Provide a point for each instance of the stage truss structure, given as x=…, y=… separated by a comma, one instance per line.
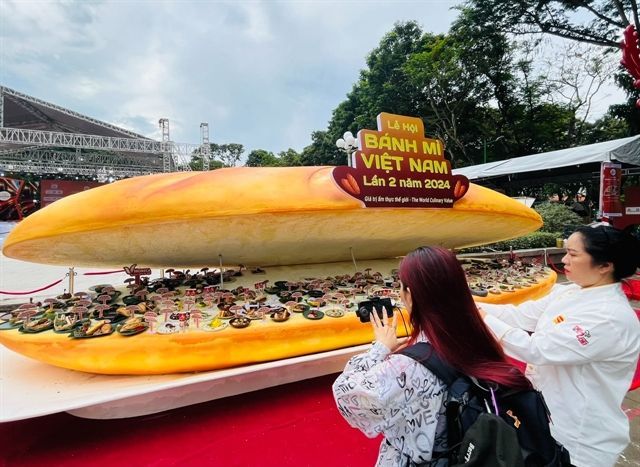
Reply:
x=42, y=138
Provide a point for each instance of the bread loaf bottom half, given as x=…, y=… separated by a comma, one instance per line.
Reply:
x=200, y=350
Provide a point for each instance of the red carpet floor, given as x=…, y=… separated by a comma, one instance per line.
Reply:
x=291, y=425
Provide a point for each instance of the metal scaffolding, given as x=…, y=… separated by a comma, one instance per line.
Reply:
x=72, y=150
x=1, y=106
x=72, y=140
x=206, y=148
x=166, y=155
x=174, y=155
x=95, y=164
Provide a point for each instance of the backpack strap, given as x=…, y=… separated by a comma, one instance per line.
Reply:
x=425, y=354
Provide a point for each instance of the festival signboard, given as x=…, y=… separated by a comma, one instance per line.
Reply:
x=397, y=166
x=610, y=184
x=53, y=190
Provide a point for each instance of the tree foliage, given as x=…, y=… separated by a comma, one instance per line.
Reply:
x=473, y=87
x=220, y=155
x=289, y=158
x=323, y=150
x=556, y=216
x=229, y=154
x=262, y=158
x=597, y=22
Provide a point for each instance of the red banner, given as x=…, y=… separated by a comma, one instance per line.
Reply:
x=53, y=190
x=610, y=184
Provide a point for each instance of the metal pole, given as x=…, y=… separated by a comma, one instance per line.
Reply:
x=353, y=258
x=1, y=106
x=71, y=277
x=221, y=274
x=484, y=145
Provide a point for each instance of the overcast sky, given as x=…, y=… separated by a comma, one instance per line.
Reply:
x=262, y=73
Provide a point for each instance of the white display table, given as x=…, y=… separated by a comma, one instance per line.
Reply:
x=29, y=388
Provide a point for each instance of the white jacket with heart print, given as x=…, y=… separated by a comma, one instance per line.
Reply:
x=393, y=395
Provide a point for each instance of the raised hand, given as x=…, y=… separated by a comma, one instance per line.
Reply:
x=385, y=332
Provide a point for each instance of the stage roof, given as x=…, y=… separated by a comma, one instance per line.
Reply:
x=36, y=138
x=30, y=113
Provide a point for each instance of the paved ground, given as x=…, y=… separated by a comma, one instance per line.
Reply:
x=631, y=405
x=631, y=455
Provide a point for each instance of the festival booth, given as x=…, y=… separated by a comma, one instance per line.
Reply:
x=579, y=159
x=264, y=275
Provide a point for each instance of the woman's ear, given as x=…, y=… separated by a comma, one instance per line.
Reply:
x=606, y=268
x=408, y=298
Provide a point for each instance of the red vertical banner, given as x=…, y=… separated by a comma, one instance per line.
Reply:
x=610, y=186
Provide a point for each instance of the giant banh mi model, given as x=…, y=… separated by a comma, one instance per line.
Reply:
x=291, y=252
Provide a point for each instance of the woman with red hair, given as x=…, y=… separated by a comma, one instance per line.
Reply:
x=384, y=392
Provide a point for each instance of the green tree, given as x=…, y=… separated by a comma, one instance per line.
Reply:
x=474, y=88
x=608, y=127
x=196, y=161
x=289, y=158
x=627, y=111
x=597, y=22
x=454, y=92
x=322, y=150
x=229, y=154
x=484, y=96
x=262, y=158
x=383, y=86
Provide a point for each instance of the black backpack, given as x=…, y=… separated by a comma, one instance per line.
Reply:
x=518, y=436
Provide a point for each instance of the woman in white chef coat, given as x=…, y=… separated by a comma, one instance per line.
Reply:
x=581, y=344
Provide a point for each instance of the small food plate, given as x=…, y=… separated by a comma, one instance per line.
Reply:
x=299, y=308
x=10, y=325
x=334, y=313
x=240, y=322
x=280, y=315
x=81, y=332
x=139, y=328
x=313, y=314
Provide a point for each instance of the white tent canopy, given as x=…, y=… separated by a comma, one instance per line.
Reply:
x=625, y=150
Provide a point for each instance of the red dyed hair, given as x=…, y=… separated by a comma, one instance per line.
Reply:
x=443, y=309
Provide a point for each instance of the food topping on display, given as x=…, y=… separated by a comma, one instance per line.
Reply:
x=204, y=301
